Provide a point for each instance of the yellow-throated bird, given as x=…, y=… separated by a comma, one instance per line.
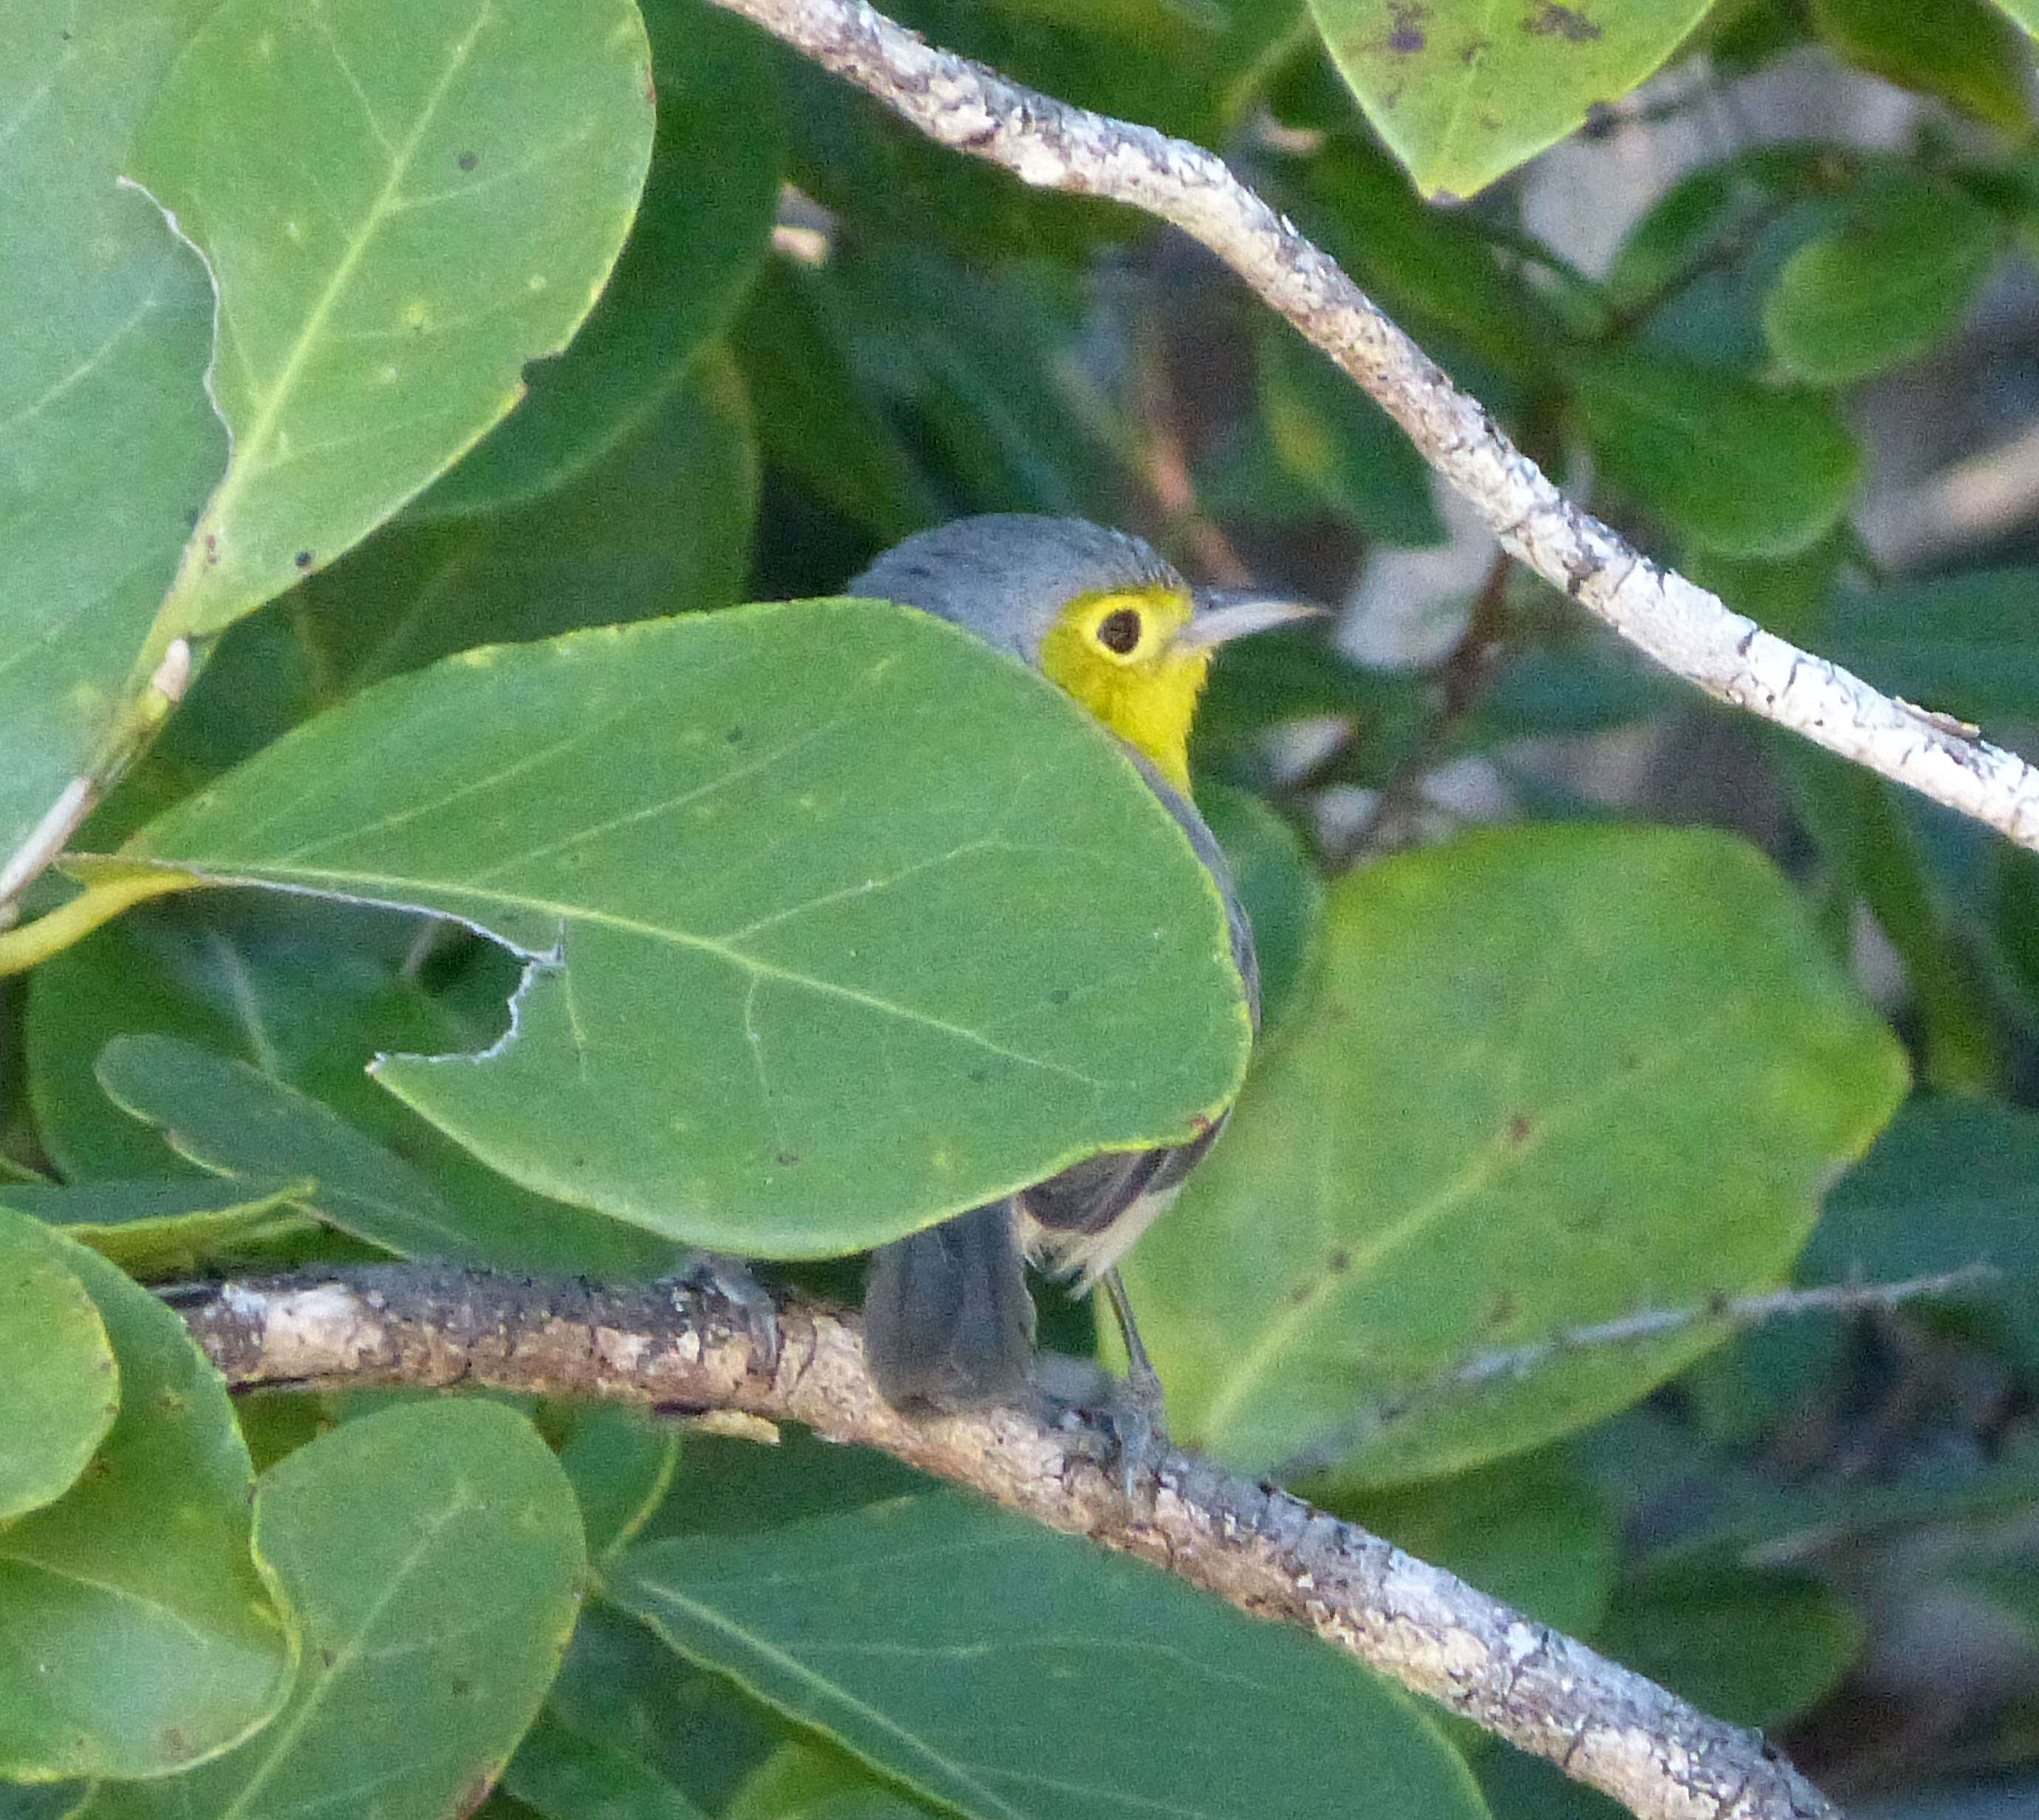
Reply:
x=948, y=1317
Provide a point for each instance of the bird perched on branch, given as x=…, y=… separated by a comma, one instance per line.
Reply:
x=949, y=1320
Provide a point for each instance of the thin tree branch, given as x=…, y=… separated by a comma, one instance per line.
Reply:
x=1052, y=145
x=1269, y=1553
x=1515, y=1362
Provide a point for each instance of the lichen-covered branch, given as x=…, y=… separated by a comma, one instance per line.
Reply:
x=1048, y=143
x=1267, y=1553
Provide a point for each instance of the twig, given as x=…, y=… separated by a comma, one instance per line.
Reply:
x=1267, y=1553
x=1644, y=1324
x=1048, y=143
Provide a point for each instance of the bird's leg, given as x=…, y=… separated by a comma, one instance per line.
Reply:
x=724, y=1274
x=1139, y=1417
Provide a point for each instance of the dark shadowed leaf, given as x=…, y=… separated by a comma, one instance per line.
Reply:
x=1691, y=1628
x=1743, y=469
x=167, y=1225
x=1960, y=50
x=1951, y=1184
x=1890, y=281
x=1965, y=644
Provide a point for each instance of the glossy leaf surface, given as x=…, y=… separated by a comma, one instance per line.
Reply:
x=838, y=921
x=432, y=1555
x=59, y=1388
x=1465, y=90
x=135, y=1638
x=1552, y=1076
x=941, y=1641
x=111, y=445
x=401, y=202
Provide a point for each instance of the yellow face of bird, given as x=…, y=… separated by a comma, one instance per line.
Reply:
x=1117, y=653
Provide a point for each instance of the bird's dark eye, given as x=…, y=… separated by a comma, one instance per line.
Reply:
x=1120, y=631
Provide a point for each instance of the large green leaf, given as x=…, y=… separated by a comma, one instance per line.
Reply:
x=838, y=922
x=59, y=1387
x=941, y=1641
x=1889, y=283
x=111, y=446
x=401, y=202
x=1553, y=1076
x=432, y=1555
x=135, y=1638
x=703, y=225
x=1740, y=467
x=1465, y=90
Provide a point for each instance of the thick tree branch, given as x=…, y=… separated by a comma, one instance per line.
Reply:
x=1267, y=1553
x=1046, y=142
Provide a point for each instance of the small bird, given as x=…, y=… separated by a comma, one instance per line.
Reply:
x=948, y=1321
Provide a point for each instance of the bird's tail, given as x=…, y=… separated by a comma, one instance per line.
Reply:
x=947, y=1320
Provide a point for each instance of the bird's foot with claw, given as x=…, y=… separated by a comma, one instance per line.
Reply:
x=729, y=1278
x=1119, y=1422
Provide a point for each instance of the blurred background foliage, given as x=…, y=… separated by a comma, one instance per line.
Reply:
x=1594, y=1010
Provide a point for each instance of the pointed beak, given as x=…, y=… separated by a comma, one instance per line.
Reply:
x=1224, y=614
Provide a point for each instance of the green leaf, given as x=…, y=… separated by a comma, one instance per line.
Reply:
x=59, y=1387
x=803, y=1781
x=163, y=1227
x=563, y=1775
x=1890, y=282
x=1743, y=468
x=624, y=1695
x=659, y=522
x=234, y=1119
x=1340, y=448
x=895, y=1630
x=818, y=417
x=1553, y=1076
x=1952, y=1183
x=136, y=1638
x=1959, y=50
x=1429, y=267
x=432, y=1555
x=702, y=227
x=838, y=921
x=1692, y=1629
x=105, y=317
x=1966, y=644
x=1465, y=90
x=401, y=203
x=1283, y=895
x=621, y=1462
